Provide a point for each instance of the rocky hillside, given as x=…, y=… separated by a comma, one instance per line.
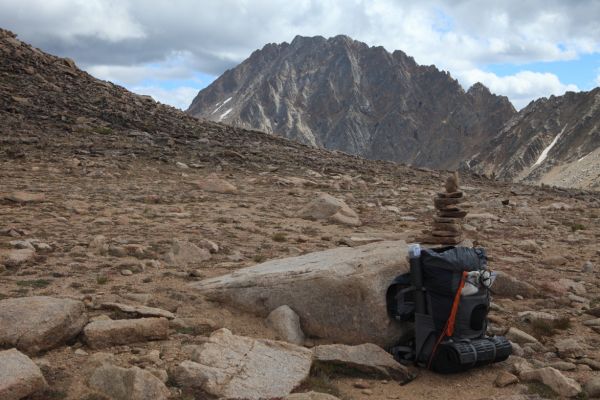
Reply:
x=121, y=219
x=341, y=94
x=555, y=141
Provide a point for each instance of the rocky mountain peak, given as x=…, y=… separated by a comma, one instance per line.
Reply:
x=341, y=94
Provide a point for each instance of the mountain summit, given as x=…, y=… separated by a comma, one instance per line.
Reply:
x=341, y=94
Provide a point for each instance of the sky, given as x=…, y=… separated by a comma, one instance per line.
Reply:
x=523, y=49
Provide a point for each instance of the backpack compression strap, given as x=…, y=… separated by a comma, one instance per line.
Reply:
x=450, y=323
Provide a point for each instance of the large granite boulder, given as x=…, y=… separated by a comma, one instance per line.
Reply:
x=339, y=294
x=238, y=367
x=34, y=324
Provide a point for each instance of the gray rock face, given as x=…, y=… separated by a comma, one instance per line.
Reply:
x=553, y=140
x=340, y=94
x=127, y=383
x=34, y=324
x=237, y=367
x=19, y=376
x=339, y=294
x=366, y=358
x=109, y=333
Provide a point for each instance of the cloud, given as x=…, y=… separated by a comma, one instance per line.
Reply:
x=520, y=87
x=180, y=97
x=124, y=39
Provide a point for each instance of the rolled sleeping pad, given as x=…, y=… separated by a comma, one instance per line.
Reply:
x=458, y=356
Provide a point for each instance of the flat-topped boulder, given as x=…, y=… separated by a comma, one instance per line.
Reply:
x=339, y=294
x=34, y=324
x=104, y=333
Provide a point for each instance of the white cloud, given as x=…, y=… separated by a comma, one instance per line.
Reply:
x=109, y=20
x=118, y=39
x=180, y=97
x=521, y=87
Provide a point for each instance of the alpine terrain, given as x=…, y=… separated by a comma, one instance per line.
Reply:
x=555, y=141
x=149, y=255
x=341, y=94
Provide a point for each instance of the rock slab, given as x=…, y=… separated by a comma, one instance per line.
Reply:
x=327, y=207
x=237, y=367
x=34, y=324
x=365, y=358
x=554, y=379
x=127, y=383
x=104, y=333
x=339, y=294
x=19, y=376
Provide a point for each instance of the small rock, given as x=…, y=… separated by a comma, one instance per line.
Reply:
x=287, y=324
x=570, y=348
x=592, y=322
x=127, y=383
x=535, y=316
x=230, y=366
x=327, y=207
x=138, y=311
x=209, y=245
x=509, y=286
x=126, y=272
x=587, y=267
x=19, y=376
x=554, y=261
x=366, y=358
x=505, y=378
x=16, y=258
x=213, y=183
x=310, y=396
x=517, y=335
x=99, y=245
x=109, y=333
x=25, y=197
x=361, y=384
x=530, y=246
x=563, y=366
x=554, y=379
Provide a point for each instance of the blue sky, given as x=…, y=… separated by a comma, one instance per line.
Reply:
x=171, y=50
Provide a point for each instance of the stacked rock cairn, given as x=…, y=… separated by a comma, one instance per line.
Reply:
x=447, y=223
